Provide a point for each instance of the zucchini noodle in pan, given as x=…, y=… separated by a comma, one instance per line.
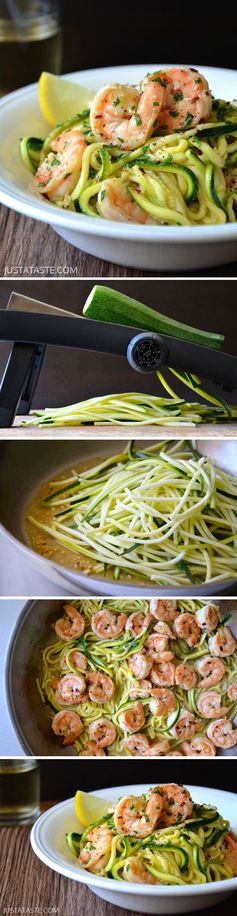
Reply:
x=160, y=837
x=139, y=678
x=163, y=152
x=164, y=515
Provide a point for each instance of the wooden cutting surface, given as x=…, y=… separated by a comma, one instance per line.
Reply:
x=33, y=249
x=203, y=431
x=28, y=886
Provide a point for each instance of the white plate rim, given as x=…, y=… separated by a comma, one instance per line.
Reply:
x=118, y=886
x=45, y=212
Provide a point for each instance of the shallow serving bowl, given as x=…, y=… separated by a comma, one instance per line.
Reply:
x=146, y=247
x=30, y=717
x=24, y=466
x=49, y=843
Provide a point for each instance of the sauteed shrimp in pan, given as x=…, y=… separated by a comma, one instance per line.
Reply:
x=142, y=678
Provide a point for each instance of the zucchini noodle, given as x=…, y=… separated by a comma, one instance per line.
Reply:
x=124, y=409
x=199, y=850
x=112, y=657
x=186, y=178
x=165, y=515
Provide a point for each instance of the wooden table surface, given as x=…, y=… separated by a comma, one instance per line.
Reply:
x=33, y=249
x=202, y=431
x=29, y=886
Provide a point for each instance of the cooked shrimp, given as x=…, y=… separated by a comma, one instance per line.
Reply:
x=140, y=665
x=136, y=745
x=135, y=871
x=212, y=671
x=68, y=725
x=92, y=749
x=122, y=115
x=163, y=629
x=163, y=703
x=158, y=648
x=164, y=609
x=115, y=202
x=209, y=705
x=232, y=691
x=230, y=847
x=96, y=852
x=102, y=687
x=102, y=732
x=162, y=674
x=177, y=804
x=198, y=747
x=186, y=725
x=185, y=676
x=223, y=643
x=58, y=174
x=69, y=689
x=106, y=625
x=158, y=748
x=138, y=623
x=77, y=660
x=143, y=689
x=71, y=626
x=187, y=99
x=207, y=617
x=222, y=734
x=136, y=816
x=131, y=720
x=186, y=627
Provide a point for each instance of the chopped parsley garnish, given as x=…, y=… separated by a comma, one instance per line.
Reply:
x=188, y=119
x=198, y=81
x=116, y=102
x=178, y=96
x=157, y=79
x=138, y=120
x=174, y=114
x=102, y=194
x=55, y=162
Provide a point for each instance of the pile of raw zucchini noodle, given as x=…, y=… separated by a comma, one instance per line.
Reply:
x=192, y=852
x=164, y=515
x=130, y=408
x=187, y=178
x=111, y=656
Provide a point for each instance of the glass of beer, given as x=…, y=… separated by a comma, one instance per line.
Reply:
x=19, y=791
x=30, y=41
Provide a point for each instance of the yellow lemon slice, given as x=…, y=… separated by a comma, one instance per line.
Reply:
x=90, y=808
x=60, y=99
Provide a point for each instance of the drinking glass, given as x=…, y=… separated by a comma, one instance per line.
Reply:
x=30, y=41
x=19, y=791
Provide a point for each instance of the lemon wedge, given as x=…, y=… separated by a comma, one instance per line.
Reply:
x=90, y=808
x=60, y=99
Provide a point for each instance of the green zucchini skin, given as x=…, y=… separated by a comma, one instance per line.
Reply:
x=105, y=304
x=211, y=189
x=74, y=842
x=219, y=130
x=183, y=170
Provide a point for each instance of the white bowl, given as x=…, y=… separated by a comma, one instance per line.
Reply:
x=163, y=248
x=49, y=843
